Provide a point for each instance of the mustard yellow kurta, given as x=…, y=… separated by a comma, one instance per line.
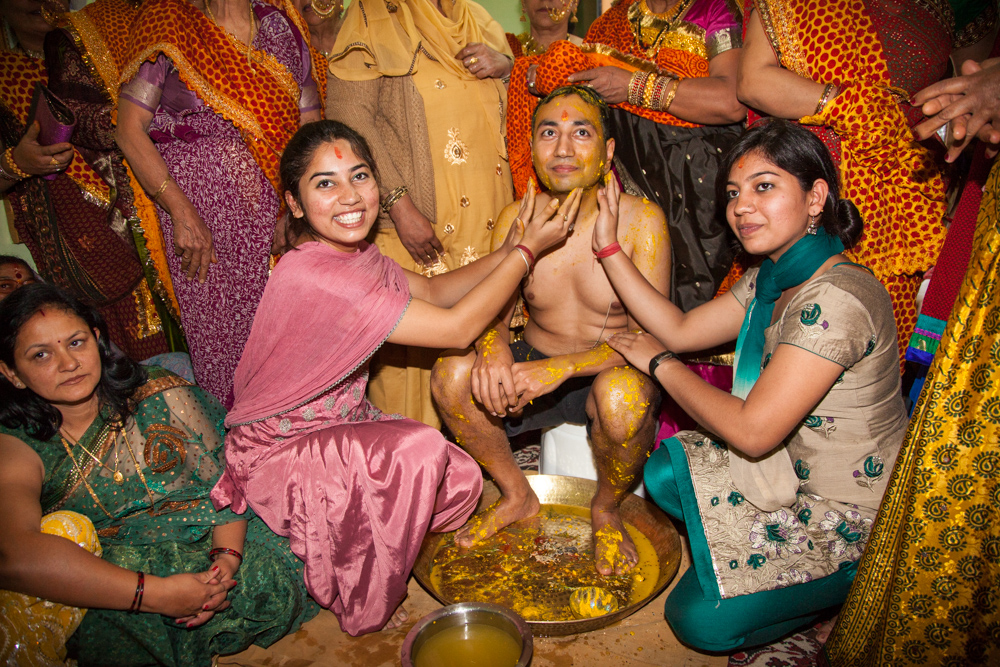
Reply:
x=472, y=184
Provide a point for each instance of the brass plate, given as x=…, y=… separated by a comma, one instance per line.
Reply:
x=574, y=491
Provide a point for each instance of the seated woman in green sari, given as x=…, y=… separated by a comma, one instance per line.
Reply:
x=135, y=451
x=780, y=487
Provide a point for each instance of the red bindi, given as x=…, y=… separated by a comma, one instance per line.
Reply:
x=17, y=275
x=565, y=115
x=336, y=151
x=740, y=163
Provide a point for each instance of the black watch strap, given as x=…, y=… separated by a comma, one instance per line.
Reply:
x=659, y=359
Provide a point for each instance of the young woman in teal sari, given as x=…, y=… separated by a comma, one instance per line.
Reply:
x=85, y=429
x=780, y=487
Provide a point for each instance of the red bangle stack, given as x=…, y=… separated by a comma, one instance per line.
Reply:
x=140, y=586
x=218, y=551
x=607, y=251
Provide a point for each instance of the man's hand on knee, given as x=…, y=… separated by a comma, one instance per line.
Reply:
x=492, y=382
x=537, y=378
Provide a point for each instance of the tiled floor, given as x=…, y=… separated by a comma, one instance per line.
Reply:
x=642, y=639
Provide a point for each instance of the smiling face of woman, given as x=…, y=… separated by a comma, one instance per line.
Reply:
x=56, y=356
x=766, y=206
x=338, y=196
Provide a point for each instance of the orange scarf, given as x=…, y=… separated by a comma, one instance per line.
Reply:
x=263, y=104
x=609, y=42
x=19, y=74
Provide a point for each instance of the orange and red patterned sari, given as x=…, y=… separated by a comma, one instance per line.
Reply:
x=75, y=225
x=895, y=182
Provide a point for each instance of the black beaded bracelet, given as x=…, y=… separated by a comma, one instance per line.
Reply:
x=655, y=362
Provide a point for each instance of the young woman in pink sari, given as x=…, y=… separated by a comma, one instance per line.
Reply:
x=356, y=490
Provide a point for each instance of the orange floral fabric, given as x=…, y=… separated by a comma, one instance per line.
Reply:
x=19, y=74
x=262, y=103
x=894, y=181
x=609, y=42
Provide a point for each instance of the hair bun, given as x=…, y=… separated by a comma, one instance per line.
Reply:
x=849, y=222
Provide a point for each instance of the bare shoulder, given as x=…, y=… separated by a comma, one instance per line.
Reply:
x=18, y=458
x=640, y=212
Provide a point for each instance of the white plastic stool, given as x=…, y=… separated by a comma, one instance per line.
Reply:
x=566, y=451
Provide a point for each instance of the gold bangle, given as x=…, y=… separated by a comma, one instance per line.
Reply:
x=393, y=197
x=160, y=190
x=636, y=86
x=647, y=91
x=824, y=99
x=9, y=155
x=670, y=96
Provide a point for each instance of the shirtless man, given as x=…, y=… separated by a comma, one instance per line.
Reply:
x=563, y=370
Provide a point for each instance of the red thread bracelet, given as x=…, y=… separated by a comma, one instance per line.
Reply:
x=140, y=586
x=607, y=251
x=215, y=553
x=531, y=255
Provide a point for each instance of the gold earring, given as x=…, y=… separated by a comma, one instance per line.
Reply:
x=813, y=227
x=573, y=18
x=18, y=383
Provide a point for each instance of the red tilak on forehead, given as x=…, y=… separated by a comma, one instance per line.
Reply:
x=42, y=311
x=740, y=163
x=336, y=151
x=565, y=115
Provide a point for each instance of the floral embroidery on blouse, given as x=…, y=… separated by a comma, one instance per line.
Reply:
x=870, y=473
x=810, y=321
x=822, y=425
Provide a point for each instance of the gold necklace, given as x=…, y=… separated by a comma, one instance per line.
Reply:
x=233, y=38
x=529, y=45
x=116, y=474
x=649, y=28
x=138, y=469
x=83, y=478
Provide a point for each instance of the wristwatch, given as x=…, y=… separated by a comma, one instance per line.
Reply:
x=655, y=362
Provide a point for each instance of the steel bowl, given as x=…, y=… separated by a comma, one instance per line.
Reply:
x=462, y=614
x=577, y=492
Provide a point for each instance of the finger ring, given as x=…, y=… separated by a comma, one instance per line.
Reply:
x=565, y=217
x=473, y=60
x=531, y=84
x=55, y=161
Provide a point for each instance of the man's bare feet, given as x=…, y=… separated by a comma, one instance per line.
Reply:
x=398, y=617
x=614, y=551
x=503, y=512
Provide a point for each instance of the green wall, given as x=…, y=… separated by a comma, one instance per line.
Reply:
x=507, y=12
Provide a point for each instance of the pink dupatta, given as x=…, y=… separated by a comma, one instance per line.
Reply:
x=323, y=314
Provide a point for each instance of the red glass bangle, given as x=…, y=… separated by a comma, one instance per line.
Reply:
x=140, y=586
x=215, y=553
x=531, y=255
x=607, y=251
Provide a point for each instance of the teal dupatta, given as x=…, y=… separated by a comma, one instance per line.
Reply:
x=770, y=482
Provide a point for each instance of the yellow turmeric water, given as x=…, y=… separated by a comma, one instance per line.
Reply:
x=470, y=645
x=534, y=566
